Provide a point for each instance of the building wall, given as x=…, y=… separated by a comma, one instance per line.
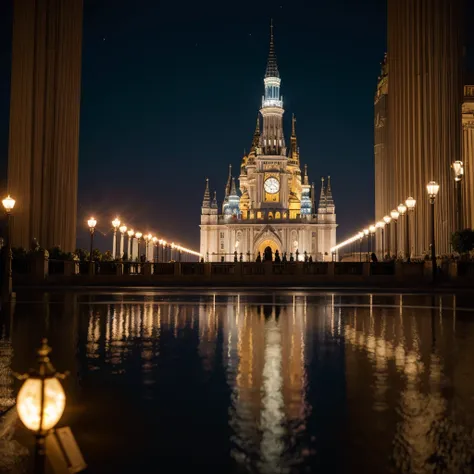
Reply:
x=425, y=73
x=44, y=121
x=468, y=155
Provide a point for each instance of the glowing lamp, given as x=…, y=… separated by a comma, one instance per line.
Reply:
x=41, y=399
x=432, y=187
x=387, y=219
x=131, y=233
x=138, y=235
x=154, y=239
x=411, y=203
x=92, y=223
x=402, y=209
x=372, y=229
x=123, y=229
x=8, y=203
x=366, y=231
x=394, y=215
x=360, y=235
x=458, y=168
x=116, y=223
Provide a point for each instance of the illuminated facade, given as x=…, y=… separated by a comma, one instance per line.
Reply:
x=417, y=118
x=274, y=205
x=468, y=153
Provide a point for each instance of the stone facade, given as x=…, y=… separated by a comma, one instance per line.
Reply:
x=273, y=208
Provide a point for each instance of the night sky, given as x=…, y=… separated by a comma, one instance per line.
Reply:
x=171, y=90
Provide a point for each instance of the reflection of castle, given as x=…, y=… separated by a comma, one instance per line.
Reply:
x=276, y=206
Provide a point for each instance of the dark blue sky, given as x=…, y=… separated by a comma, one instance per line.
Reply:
x=170, y=92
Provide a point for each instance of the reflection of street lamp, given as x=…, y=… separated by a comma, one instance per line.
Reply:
x=458, y=170
x=387, y=220
x=40, y=403
x=394, y=215
x=91, y=223
x=116, y=224
x=8, y=205
x=402, y=209
x=410, y=203
x=130, y=233
x=123, y=229
x=432, y=187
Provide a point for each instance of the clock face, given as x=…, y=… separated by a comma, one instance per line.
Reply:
x=271, y=185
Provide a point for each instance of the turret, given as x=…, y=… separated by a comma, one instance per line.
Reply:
x=294, y=151
x=306, y=209
x=206, y=201
x=322, y=199
x=330, y=207
x=233, y=208
x=208, y=208
x=227, y=190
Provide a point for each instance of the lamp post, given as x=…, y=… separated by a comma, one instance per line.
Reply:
x=116, y=225
x=123, y=229
x=381, y=225
x=394, y=215
x=387, y=220
x=8, y=205
x=402, y=209
x=149, y=244
x=138, y=236
x=163, y=250
x=41, y=401
x=366, y=233
x=410, y=203
x=145, y=238
x=155, y=244
x=432, y=187
x=130, y=233
x=91, y=223
x=361, y=237
x=372, y=230
x=458, y=169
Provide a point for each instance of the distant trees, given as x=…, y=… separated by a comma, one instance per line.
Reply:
x=462, y=241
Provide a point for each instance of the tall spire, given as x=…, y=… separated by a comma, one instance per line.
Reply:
x=312, y=196
x=206, y=201
x=214, y=201
x=293, y=128
x=293, y=140
x=322, y=199
x=272, y=68
x=305, y=179
x=233, y=190
x=329, y=199
x=229, y=182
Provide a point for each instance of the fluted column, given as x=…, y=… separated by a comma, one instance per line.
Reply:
x=425, y=61
x=468, y=155
x=44, y=120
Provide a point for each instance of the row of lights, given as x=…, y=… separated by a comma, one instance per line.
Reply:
x=148, y=238
x=432, y=188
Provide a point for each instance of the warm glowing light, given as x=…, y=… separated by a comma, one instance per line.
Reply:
x=411, y=203
x=149, y=236
x=432, y=187
x=8, y=203
x=146, y=237
x=380, y=224
x=131, y=233
x=91, y=223
x=394, y=214
x=123, y=229
x=360, y=235
x=458, y=168
x=372, y=229
x=154, y=239
x=161, y=241
x=366, y=231
x=402, y=209
x=138, y=235
x=173, y=245
x=387, y=219
x=116, y=223
x=29, y=403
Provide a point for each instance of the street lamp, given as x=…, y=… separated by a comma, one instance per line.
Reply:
x=148, y=243
x=366, y=233
x=381, y=225
x=138, y=236
x=394, y=214
x=123, y=229
x=165, y=256
x=410, y=203
x=8, y=205
x=41, y=401
x=402, y=209
x=116, y=225
x=361, y=237
x=155, y=240
x=432, y=187
x=387, y=220
x=130, y=233
x=372, y=230
x=91, y=223
x=458, y=170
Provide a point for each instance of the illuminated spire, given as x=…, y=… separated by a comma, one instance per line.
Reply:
x=256, y=135
x=312, y=195
x=293, y=141
x=272, y=68
x=322, y=199
x=293, y=128
x=329, y=199
x=229, y=182
x=206, y=202
x=305, y=178
x=233, y=190
x=214, y=201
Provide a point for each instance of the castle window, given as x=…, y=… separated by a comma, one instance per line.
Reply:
x=277, y=215
x=222, y=235
x=222, y=245
x=259, y=215
x=270, y=215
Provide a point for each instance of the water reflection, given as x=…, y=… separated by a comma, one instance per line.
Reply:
x=278, y=384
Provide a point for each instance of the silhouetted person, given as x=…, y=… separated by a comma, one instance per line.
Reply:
x=373, y=257
x=259, y=258
x=297, y=255
x=306, y=256
x=310, y=259
x=284, y=260
x=267, y=256
x=277, y=257
x=202, y=259
x=222, y=259
x=235, y=256
x=241, y=258
x=292, y=259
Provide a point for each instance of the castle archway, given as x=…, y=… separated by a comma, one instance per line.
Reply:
x=267, y=246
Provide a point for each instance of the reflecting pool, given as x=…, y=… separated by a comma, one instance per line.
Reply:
x=281, y=382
